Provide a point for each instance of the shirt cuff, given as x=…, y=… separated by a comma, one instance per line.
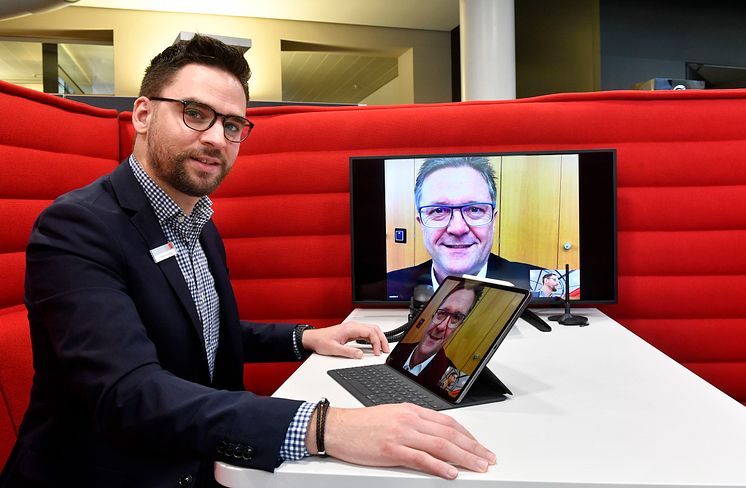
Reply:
x=294, y=446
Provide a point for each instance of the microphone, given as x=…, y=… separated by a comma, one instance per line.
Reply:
x=568, y=318
x=420, y=296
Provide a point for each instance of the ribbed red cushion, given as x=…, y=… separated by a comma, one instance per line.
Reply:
x=48, y=146
x=292, y=257
x=7, y=432
x=16, y=370
x=12, y=269
x=20, y=215
x=682, y=253
x=682, y=189
x=284, y=210
x=283, y=215
x=265, y=378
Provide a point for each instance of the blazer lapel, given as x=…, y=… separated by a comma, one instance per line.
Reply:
x=132, y=198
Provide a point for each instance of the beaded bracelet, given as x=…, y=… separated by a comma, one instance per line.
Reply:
x=300, y=351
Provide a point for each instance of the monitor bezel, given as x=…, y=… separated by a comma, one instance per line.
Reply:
x=535, y=301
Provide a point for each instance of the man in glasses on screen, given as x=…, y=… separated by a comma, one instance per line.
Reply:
x=427, y=358
x=455, y=199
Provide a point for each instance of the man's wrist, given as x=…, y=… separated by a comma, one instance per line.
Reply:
x=300, y=351
x=316, y=430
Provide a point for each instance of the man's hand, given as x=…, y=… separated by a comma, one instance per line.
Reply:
x=330, y=341
x=400, y=435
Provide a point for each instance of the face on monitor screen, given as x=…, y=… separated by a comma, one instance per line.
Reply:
x=520, y=218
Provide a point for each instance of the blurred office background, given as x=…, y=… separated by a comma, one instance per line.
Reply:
x=377, y=51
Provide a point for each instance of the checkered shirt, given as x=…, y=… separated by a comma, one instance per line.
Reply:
x=183, y=231
x=294, y=447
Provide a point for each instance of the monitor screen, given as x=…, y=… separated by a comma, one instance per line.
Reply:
x=522, y=218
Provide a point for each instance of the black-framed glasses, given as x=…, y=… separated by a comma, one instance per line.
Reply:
x=457, y=318
x=200, y=117
x=439, y=216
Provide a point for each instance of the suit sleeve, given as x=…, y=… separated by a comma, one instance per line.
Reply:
x=86, y=324
x=267, y=342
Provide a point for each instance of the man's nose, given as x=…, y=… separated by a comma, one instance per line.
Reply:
x=457, y=225
x=444, y=324
x=214, y=136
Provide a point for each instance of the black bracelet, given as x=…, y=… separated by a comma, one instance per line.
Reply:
x=321, y=409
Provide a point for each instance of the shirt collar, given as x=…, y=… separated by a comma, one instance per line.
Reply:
x=417, y=369
x=482, y=274
x=166, y=209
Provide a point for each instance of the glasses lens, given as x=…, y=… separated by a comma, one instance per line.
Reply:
x=435, y=216
x=198, y=116
x=236, y=129
x=456, y=318
x=477, y=214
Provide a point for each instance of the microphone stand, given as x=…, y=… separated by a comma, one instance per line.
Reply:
x=568, y=318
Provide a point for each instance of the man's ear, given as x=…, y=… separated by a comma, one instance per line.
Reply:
x=142, y=113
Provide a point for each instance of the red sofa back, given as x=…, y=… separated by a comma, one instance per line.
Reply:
x=681, y=193
x=682, y=187
x=48, y=146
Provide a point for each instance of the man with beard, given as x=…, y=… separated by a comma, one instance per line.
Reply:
x=549, y=284
x=138, y=348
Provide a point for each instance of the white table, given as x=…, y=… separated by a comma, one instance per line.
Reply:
x=592, y=407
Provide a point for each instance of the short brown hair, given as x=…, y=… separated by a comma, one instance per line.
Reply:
x=480, y=164
x=200, y=49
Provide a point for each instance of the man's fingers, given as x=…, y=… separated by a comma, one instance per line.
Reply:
x=425, y=462
x=371, y=333
x=404, y=435
x=384, y=342
x=458, y=449
x=449, y=444
x=377, y=340
x=347, y=351
x=445, y=420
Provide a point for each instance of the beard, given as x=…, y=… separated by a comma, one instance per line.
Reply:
x=172, y=168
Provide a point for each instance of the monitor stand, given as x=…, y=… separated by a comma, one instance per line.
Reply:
x=533, y=319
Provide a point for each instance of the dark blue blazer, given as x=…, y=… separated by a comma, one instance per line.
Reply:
x=401, y=282
x=121, y=394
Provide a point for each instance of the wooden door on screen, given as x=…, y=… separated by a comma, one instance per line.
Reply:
x=539, y=210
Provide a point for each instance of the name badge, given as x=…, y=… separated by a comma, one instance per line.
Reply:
x=163, y=252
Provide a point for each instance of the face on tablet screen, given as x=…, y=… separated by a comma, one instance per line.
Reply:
x=456, y=333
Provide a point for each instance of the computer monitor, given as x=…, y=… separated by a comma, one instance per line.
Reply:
x=417, y=218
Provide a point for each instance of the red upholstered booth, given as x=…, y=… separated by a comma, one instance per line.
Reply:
x=682, y=191
x=47, y=146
